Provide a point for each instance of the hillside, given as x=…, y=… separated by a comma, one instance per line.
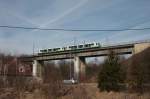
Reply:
x=139, y=64
x=143, y=56
x=141, y=60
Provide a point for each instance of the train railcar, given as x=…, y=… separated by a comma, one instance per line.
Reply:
x=72, y=47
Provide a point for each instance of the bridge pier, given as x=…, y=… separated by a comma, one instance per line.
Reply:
x=79, y=68
x=140, y=47
x=37, y=70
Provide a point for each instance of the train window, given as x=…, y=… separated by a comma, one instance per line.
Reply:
x=49, y=50
x=43, y=51
x=90, y=45
x=80, y=46
x=98, y=44
x=73, y=47
x=56, y=49
x=64, y=48
x=87, y=45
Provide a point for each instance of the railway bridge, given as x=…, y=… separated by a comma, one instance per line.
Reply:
x=80, y=55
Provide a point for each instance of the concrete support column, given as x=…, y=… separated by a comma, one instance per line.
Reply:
x=34, y=68
x=82, y=68
x=76, y=68
x=79, y=68
x=37, y=70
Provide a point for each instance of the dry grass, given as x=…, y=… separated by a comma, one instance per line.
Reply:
x=57, y=91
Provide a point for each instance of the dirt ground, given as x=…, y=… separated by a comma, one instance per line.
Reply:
x=82, y=91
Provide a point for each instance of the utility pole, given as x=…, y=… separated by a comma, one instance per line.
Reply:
x=107, y=41
x=33, y=48
x=70, y=66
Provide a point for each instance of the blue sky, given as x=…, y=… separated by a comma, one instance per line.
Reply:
x=70, y=14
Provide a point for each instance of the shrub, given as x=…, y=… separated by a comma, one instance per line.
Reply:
x=109, y=77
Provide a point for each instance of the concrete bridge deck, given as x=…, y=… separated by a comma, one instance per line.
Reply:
x=89, y=52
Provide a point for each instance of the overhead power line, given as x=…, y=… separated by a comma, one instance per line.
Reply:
x=63, y=29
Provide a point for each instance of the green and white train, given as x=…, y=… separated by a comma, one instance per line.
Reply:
x=69, y=48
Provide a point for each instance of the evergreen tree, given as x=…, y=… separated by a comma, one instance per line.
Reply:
x=110, y=74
